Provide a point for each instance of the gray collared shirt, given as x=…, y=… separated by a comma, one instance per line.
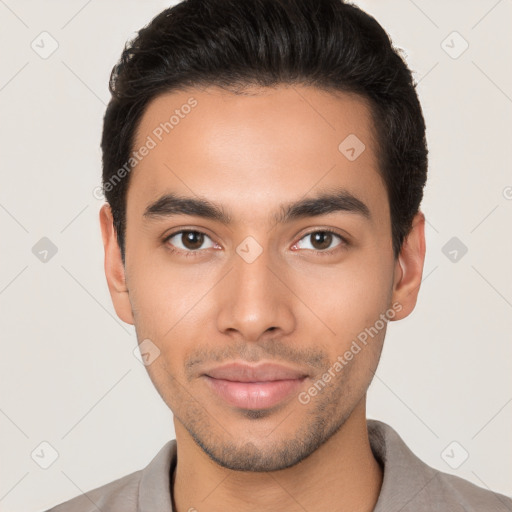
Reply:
x=409, y=485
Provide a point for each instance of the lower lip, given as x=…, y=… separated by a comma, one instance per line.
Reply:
x=254, y=395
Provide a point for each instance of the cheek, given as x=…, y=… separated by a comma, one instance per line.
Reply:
x=348, y=298
x=169, y=382
x=166, y=298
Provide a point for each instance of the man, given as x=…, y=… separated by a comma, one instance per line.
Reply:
x=263, y=165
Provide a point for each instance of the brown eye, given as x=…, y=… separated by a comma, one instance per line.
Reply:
x=188, y=240
x=322, y=240
x=192, y=239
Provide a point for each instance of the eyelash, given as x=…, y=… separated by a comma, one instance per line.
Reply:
x=187, y=254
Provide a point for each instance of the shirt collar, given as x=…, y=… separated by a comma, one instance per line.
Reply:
x=405, y=476
x=155, y=483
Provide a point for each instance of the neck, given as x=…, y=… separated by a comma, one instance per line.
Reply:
x=341, y=475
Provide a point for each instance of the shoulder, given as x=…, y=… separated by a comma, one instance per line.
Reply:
x=409, y=484
x=468, y=496
x=118, y=495
x=147, y=489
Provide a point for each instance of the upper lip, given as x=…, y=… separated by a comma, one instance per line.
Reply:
x=243, y=372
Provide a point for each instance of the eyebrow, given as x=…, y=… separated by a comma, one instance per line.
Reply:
x=330, y=201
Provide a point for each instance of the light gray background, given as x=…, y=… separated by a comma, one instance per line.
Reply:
x=69, y=376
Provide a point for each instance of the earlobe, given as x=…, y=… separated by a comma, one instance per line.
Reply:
x=114, y=267
x=409, y=268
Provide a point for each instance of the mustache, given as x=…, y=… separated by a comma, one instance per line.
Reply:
x=253, y=352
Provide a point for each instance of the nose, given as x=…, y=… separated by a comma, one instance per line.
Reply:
x=254, y=299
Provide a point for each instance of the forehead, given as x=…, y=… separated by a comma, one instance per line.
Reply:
x=248, y=151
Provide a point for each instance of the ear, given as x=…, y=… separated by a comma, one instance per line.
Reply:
x=409, y=268
x=114, y=268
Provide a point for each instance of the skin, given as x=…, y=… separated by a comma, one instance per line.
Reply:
x=250, y=153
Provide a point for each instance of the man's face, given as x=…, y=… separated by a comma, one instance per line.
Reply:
x=249, y=315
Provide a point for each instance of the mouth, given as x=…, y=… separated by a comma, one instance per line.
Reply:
x=254, y=387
